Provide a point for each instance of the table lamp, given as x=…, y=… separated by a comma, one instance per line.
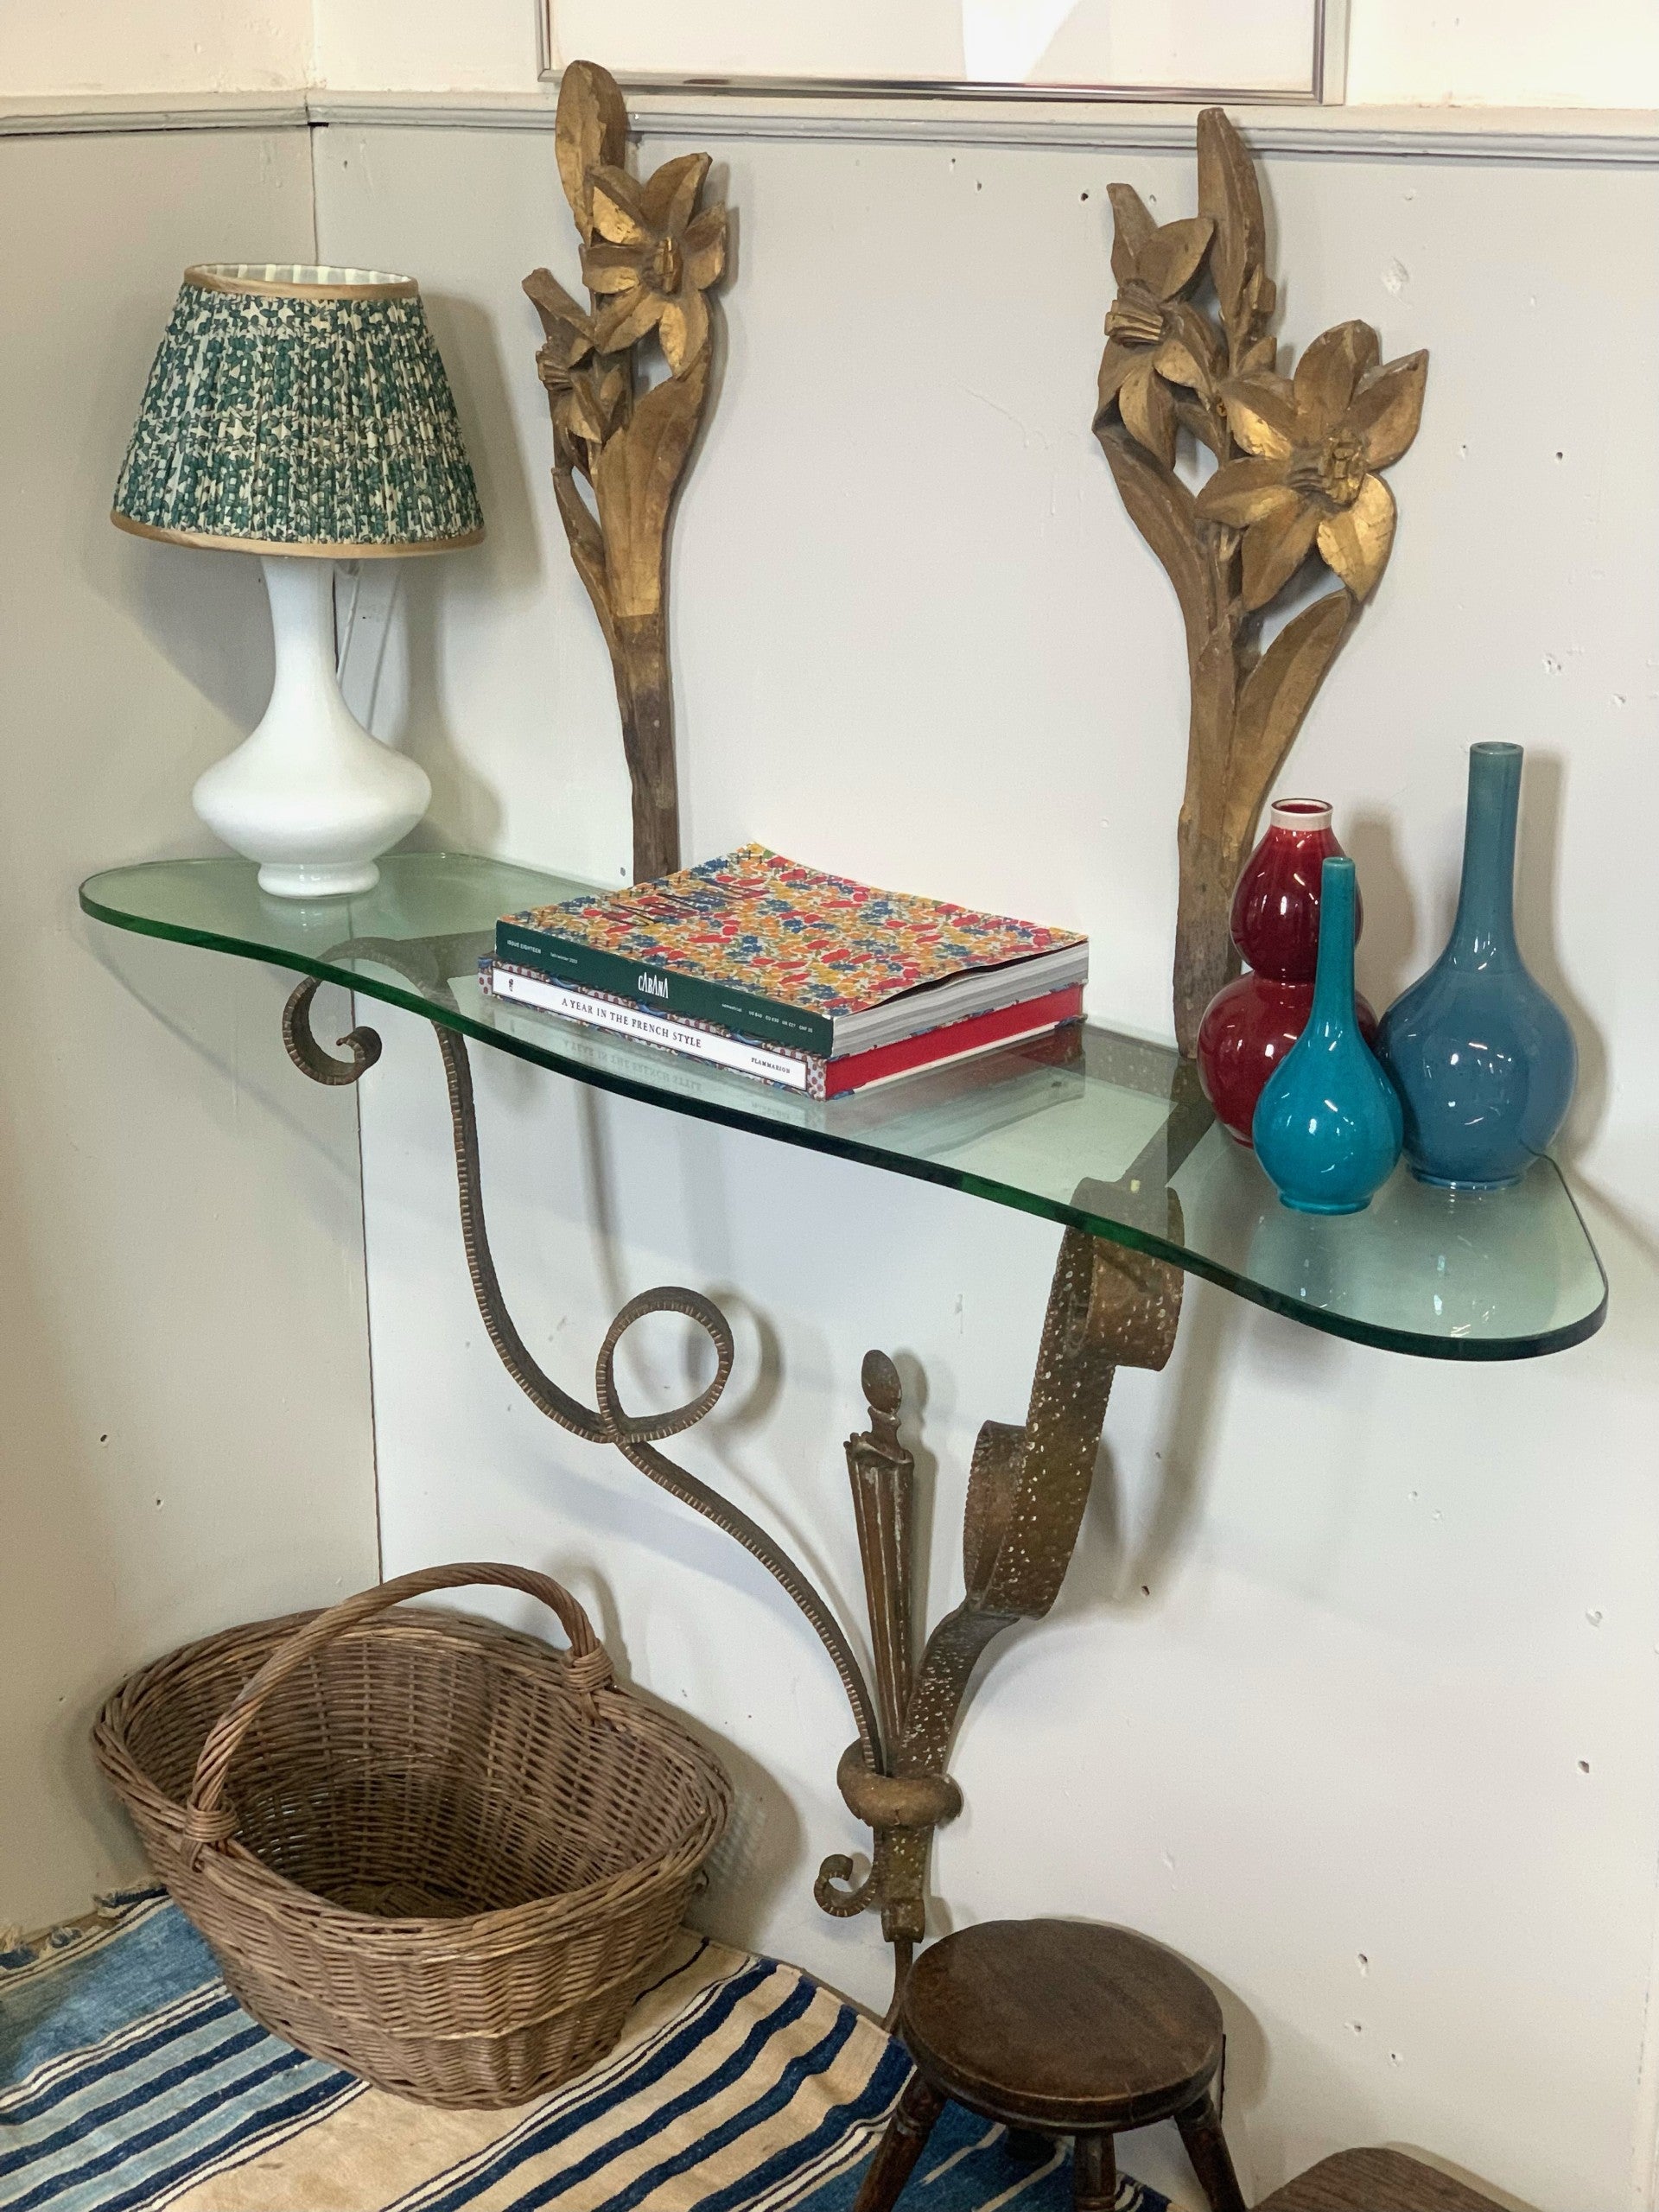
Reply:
x=302, y=414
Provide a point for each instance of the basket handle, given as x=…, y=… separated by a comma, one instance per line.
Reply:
x=207, y=1821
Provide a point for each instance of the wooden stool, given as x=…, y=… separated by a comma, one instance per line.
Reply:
x=1374, y=2181
x=1057, y=2028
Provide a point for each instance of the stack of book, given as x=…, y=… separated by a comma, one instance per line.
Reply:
x=755, y=963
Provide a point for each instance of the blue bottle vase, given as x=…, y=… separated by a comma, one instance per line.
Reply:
x=1482, y=1056
x=1327, y=1127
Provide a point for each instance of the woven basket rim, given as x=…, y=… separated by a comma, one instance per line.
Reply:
x=241, y=1872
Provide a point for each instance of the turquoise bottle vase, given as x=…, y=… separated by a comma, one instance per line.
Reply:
x=1327, y=1127
x=1483, y=1057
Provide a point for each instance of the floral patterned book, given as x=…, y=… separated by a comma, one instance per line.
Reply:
x=766, y=948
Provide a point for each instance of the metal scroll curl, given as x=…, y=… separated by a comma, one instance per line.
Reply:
x=1028, y=1487
x=1110, y=1306
x=635, y=1436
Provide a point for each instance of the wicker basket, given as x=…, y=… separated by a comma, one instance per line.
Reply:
x=448, y=1857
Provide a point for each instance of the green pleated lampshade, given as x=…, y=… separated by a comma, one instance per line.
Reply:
x=299, y=410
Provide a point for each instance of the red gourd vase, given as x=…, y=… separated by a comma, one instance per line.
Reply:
x=1250, y=1024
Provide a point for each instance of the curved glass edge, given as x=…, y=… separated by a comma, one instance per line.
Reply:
x=1328, y=1321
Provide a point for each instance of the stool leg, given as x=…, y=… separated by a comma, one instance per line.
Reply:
x=1206, y=2146
x=1094, y=2174
x=1027, y=2148
x=903, y=2144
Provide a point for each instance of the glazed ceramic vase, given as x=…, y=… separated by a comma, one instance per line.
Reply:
x=1482, y=1056
x=1327, y=1126
x=1250, y=1024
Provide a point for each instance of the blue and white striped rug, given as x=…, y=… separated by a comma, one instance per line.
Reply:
x=131, y=2078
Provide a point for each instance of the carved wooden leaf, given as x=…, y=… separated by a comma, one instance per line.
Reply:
x=1356, y=540
x=1276, y=695
x=591, y=131
x=1132, y=226
x=1161, y=509
x=1330, y=368
x=1148, y=410
x=1172, y=256
x=587, y=547
x=1229, y=193
x=634, y=482
x=1388, y=408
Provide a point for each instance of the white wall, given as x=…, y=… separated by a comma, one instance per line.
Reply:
x=1351, y=1692
x=160, y=45
x=1504, y=53
x=1490, y=53
x=1495, y=53
x=185, y=1437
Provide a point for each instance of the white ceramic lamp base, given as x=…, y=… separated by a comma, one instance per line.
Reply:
x=310, y=796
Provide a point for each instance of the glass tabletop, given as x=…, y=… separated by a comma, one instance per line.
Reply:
x=1088, y=1127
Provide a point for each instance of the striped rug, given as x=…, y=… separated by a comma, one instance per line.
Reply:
x=131, y=2078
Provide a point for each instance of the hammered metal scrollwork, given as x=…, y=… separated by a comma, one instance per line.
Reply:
x=1110, y=1306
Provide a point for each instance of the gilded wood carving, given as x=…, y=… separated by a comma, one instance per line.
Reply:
x=650, y=253
x=1297, y=476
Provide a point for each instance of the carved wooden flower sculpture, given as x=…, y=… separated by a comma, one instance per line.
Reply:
x=1297, y=461
x=1315, y=443
x=590, y=398
x=648, y=257
x=1155, y=338
x=654, y=258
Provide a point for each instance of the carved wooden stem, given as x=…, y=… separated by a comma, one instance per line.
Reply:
x=646, y=700
x=1204, y=955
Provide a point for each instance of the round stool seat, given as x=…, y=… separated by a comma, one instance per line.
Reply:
x=1060, y=2026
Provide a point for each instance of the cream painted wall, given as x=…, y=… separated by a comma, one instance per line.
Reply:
x=1490, y=53
x=143, y=46
x=1495, y=53
x=185, y=1439
x=1352, y=1692
x=1504, y=53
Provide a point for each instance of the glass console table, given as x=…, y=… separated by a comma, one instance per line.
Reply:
x=1107, y=1135
x=1093, y=1136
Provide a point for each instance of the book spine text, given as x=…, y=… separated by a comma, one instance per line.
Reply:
x=664, y=990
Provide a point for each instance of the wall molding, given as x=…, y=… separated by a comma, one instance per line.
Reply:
x=75, y=114
x=1568, y=136
x=1578, y=136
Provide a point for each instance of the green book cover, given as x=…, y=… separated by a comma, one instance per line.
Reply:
x=591, y=967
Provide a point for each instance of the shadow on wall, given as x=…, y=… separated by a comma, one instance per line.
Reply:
x=458, y=588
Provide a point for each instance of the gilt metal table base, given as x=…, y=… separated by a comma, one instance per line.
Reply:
x=1109, y=1306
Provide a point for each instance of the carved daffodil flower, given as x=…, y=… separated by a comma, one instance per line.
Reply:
x=1154, y=337
x=587, y=398
x=1315, y=444
x=653, y=258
